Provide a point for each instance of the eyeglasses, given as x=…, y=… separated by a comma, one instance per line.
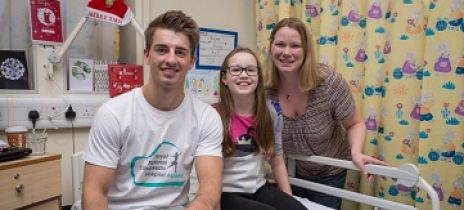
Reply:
x=237, y=70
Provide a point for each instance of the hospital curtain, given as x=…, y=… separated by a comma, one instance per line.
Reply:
x=404, y=62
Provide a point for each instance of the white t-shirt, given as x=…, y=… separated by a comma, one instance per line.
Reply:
x=243, y=171
x=152, y=151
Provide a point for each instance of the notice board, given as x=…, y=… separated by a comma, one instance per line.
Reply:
x=213, y=47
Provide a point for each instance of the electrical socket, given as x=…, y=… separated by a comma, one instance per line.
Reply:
x=51, y=112
x=3, y=113
x=86, y=109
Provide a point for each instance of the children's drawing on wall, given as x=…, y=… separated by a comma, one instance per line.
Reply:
x=13, y=70
x=80, y=74
x=203, y=83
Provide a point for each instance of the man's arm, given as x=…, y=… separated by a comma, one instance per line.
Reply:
x=97, y=182
x=209, y=172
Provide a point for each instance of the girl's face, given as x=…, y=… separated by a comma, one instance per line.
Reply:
x=287, y=50
x=241, y=76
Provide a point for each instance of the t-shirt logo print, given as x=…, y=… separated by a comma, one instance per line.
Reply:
x=247, y=142
x=174, y=162
x=159, y=168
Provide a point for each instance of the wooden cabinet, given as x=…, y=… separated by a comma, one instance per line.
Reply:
x=31, y=183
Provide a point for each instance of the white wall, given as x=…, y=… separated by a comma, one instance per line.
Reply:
x=229, y=15
x=233, y=15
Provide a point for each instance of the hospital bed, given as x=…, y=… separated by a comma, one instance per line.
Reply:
x=407, y=175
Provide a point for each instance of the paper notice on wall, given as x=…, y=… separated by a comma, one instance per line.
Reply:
x=213, y=47
x=203, y=84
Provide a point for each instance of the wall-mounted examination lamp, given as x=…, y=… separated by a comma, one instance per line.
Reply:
x=55, y=57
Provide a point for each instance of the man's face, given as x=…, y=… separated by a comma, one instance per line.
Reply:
x=169, y=59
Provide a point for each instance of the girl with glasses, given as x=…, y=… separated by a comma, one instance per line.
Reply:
x=252, y=126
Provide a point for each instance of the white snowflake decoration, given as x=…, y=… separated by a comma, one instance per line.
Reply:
x=12, y=69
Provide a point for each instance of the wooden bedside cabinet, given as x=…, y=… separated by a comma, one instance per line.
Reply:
x=32, y=183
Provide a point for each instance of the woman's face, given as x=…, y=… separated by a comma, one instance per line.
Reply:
x=287, y=50
x=241, y=76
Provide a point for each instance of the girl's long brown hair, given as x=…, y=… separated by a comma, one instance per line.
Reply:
x=263, y=121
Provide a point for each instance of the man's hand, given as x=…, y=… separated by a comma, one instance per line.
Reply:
x=200, y=203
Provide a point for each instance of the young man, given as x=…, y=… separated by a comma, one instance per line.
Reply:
x=143, y=143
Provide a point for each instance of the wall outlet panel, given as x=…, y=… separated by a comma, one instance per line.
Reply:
x=51, y=111
x=3, y=113
x=85, y=109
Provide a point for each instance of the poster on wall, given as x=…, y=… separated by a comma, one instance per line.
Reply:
x=213, y=47
x=203, y=84
x=13, y=70
x=46, y=21
x=80, y=75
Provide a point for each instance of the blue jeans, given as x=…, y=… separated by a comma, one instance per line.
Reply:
x=337, y=181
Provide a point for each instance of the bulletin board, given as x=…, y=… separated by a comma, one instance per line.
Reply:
x=213, y=47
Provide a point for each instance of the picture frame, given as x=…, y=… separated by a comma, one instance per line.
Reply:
x=14, y=71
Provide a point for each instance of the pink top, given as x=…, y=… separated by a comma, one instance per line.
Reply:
x=242, y=129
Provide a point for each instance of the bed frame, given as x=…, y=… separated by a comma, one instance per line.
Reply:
x=407, y=174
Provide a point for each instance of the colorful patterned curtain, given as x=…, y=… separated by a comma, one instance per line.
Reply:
x=404, y=61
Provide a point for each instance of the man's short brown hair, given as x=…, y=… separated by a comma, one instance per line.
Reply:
x=176, y=21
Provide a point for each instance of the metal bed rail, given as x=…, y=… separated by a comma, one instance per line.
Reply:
x=407, y=174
